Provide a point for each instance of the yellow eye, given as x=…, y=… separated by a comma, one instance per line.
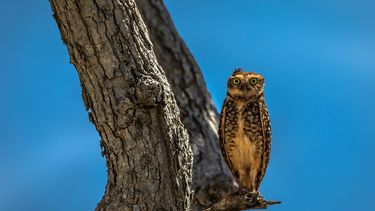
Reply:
x=236, y=81
x=253, y=81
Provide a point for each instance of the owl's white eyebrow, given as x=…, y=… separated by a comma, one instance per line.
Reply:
x=237, y=76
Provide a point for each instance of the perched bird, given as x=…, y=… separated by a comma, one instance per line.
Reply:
x=245, y=129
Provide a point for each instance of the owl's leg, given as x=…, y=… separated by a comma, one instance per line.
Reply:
x=252, y=191
x=244, y=181
x=247, y=186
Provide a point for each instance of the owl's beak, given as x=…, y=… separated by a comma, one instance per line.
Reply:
x=249, y=88
x=246, y=87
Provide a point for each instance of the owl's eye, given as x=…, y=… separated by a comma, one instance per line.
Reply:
x=253, y=81
x=236, y=81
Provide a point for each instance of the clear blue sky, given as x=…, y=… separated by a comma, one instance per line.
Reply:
x=318, y=58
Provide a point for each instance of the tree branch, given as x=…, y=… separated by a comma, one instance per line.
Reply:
x=241, y=201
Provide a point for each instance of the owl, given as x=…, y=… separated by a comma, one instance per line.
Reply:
x=245, y=129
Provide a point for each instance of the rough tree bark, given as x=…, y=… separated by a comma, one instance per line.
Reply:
x=129, y=100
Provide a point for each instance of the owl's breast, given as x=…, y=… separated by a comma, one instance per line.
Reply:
x=242, y=150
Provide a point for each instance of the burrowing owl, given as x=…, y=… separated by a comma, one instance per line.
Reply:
x=245, y=129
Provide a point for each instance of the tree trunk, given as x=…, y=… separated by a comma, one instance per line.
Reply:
x=129, y=100
x=212, y=179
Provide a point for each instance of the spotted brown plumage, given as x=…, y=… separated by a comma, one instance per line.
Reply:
x=245, y=129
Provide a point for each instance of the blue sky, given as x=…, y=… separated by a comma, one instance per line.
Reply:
x=318, y=58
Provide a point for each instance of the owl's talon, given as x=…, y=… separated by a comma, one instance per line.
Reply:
x=251, y=194
x=250, y=199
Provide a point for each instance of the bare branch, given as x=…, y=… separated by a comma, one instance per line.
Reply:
x=242, y=201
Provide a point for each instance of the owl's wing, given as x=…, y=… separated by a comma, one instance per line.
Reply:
x=222, y=125
x=267, y=137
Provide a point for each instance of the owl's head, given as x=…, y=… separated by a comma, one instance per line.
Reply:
x=245, y=86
